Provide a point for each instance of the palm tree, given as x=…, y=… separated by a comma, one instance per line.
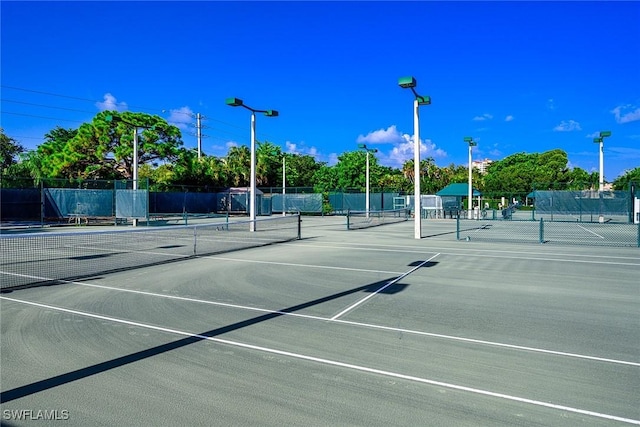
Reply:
x=238, y=166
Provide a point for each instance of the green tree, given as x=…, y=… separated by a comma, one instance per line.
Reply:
x=238, y=166
x=268, y=162
x=622, y=182
x=325, y=179
x=103, y=149
x=301, y=170
x=10, y=150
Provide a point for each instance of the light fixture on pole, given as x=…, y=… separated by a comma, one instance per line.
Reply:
x=368, y=150
x=600, y=140
x=410, y=83
x=471, y=143
x=236, y=102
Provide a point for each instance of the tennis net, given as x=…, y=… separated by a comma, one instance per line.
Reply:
x=38, y=258
x=366, y=219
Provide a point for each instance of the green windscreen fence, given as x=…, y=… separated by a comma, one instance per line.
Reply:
x=68, y=202
x=583, y=206
x=305, y=203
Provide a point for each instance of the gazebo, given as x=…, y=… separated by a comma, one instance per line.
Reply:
x=452, y=196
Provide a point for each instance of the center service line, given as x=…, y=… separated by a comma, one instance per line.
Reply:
x=343, y=364
x=592, y=232
x=391, y=282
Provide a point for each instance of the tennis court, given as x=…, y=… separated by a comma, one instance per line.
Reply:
x=365, y=327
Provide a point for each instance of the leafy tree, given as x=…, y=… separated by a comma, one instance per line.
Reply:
x=268, y=161
x=522, y=173
x=103, y=149
x=580, y=179
x=301, y=170
x=238, y=166
x=10, y=149
x=623, y=181
x=325, y=179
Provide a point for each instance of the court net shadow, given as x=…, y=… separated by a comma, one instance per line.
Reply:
x=49, y=383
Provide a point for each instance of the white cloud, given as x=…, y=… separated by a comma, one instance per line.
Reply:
x=626, y=117
x=567, y=126
x=403, y=146
x=483, y=117
x=293, y=148
x=382, y=136
x=110, y=103
x=230, y=144
x=181, y=117
x=508, y=118
x=551, y=104
x=593, y=135
x=404, y=151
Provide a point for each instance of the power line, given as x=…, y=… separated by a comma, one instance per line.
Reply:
x=41, y=117
x=45, y=106
x=173, y=111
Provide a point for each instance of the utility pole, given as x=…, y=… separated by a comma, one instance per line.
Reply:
x=199, y=134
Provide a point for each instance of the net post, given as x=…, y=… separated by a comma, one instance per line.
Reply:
x=195, y=241
x=541, y=230
x=42, y=203
x=458, y=226
x=299, y=226
x=639, y=234
x=348, y=216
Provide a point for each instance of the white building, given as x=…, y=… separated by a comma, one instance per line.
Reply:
x=481, y=165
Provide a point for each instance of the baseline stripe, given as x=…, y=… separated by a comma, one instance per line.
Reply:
x=345, y=365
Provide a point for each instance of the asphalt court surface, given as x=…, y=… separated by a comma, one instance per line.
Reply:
x=363, y=327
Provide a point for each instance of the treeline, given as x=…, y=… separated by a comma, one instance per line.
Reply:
x=103, y=150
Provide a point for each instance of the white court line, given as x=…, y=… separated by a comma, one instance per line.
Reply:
x=393, y=248
x=348, y=322
x=342, y=364
x=592, y=232
x=417, y=250
x=386, y=285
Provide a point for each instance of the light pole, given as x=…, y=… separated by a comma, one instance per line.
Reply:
x=410, y=83
x=600, y=140
x=368, y=150
x=471, y=143
x=284, y=183
x=236, y=102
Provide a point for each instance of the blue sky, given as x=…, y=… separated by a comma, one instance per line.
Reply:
x=517, y=76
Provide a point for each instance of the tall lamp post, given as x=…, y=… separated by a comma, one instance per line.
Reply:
x=410, y=83
x=236, y=102
x=368, y=150
x=600, y=140
x=471, y=143
x=284, y=184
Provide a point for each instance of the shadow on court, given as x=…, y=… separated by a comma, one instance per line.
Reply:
x=49, y=383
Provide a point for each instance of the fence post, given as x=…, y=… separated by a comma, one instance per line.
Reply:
x=42, y=203
x=541, y=230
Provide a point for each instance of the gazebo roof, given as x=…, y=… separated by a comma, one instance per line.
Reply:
x=457, y=190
